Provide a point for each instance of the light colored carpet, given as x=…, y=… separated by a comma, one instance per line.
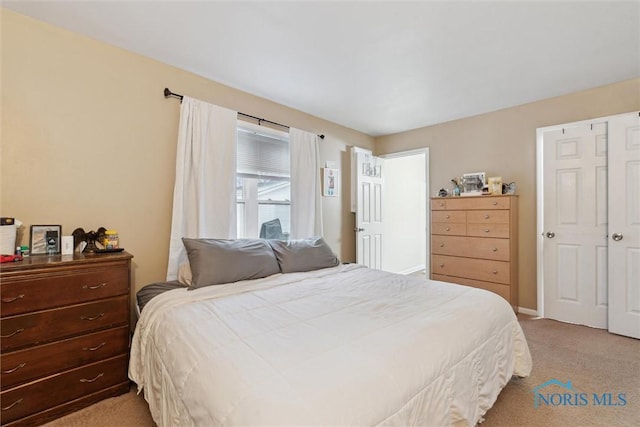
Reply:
x=594, y=360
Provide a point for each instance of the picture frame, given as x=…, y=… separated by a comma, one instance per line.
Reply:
x=472, y=183
x=331, y=182
x=495, y=185
x=45, y=239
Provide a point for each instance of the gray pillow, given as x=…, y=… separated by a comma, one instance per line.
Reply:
x=217, y=261
x=303, y=254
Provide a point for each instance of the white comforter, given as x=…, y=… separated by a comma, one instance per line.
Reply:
x=340, y=346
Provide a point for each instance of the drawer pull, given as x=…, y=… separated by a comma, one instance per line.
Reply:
x=486, y=230
x=495, y=203
x=447, y=229
x=101, y=285
x=486, y=217
x=102, y=344
x=92, y=318
x=442, y=245
x=17, y=402
x=495, y=271
x=13, y=299
x=10, y=371
x=441, y=265
x=84, y=380
x=16, y=332
x=495, y=249
x=448, y=216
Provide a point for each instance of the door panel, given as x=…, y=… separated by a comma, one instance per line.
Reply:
x=624, y=225
x=575, y=224
x=369, y=194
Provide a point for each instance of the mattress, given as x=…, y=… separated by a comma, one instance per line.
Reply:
x=345, y=345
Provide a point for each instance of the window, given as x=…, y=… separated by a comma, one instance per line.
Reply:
x=263, y=182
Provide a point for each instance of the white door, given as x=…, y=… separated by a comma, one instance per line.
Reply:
x=624, y=225
x=368, y=209
x=575, y=225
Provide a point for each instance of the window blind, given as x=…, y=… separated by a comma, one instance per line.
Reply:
x=262, y=156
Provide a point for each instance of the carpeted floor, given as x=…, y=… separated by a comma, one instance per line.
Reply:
x=592, y=359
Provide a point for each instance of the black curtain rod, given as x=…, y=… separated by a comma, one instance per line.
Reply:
x=168, y=93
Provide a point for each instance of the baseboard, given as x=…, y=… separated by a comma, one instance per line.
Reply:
x=527, y=311
x=413, y=269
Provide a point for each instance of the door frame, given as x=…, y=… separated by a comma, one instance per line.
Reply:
x=540, y=198
x=427, y=230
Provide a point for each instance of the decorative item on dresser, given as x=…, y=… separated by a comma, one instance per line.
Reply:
x=474, y=242
x=65, y=334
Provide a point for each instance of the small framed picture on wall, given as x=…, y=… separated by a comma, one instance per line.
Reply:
x=330, y=182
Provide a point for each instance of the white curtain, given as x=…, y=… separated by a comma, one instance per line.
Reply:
x=204, y=196
x=306, y=201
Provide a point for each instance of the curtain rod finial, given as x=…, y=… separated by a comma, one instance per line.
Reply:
x=321, y=136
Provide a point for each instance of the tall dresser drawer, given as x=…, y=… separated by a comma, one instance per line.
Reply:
x=25, y=365
x=21, y=294
x=36, y=396
x=48, y=325
x=488, y=230
x=470, y=247
x=477, y=269
x=488, y=217
x=476, y=203
x=449, y=216
x=449, y=229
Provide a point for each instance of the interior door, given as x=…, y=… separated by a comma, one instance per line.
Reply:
x=369, y=186
x=575, y=225
x=624, y=225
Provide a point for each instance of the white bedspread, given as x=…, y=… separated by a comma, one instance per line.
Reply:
x=340, y=346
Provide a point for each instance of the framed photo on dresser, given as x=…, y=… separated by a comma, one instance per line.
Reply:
x=45, y=239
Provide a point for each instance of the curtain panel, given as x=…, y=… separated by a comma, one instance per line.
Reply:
x=204, y=195
x=306, y=201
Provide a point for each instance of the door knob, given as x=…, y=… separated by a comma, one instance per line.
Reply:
x=617, y=236
x=551, y=234
x=356, y=229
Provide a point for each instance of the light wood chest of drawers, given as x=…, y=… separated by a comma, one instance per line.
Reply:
x=64, y=323
x=474, y=242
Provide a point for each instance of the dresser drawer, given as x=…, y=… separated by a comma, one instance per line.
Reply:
x=449, y=216
x=497, y=288
x=471, y=247
x=488, y=217
x=480, y=202
x=36, y=396
x=450, y=229
x=25, y=365
x=42, y=290
x=488, y=230
x=49, y=325
x=477, y=269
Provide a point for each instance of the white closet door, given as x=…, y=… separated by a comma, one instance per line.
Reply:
x=575, y=225
x=624, y=225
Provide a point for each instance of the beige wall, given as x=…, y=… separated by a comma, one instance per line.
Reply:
x=88, y=140
x=503, y=143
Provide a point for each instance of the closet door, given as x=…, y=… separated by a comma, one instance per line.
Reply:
x=575, y=224
x=624, y=225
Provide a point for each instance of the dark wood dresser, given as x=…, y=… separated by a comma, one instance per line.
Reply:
x=64, y=334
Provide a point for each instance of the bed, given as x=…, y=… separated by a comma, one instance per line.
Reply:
x=338, y=345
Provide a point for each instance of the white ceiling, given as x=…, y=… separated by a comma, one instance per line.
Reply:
x=377, y=67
